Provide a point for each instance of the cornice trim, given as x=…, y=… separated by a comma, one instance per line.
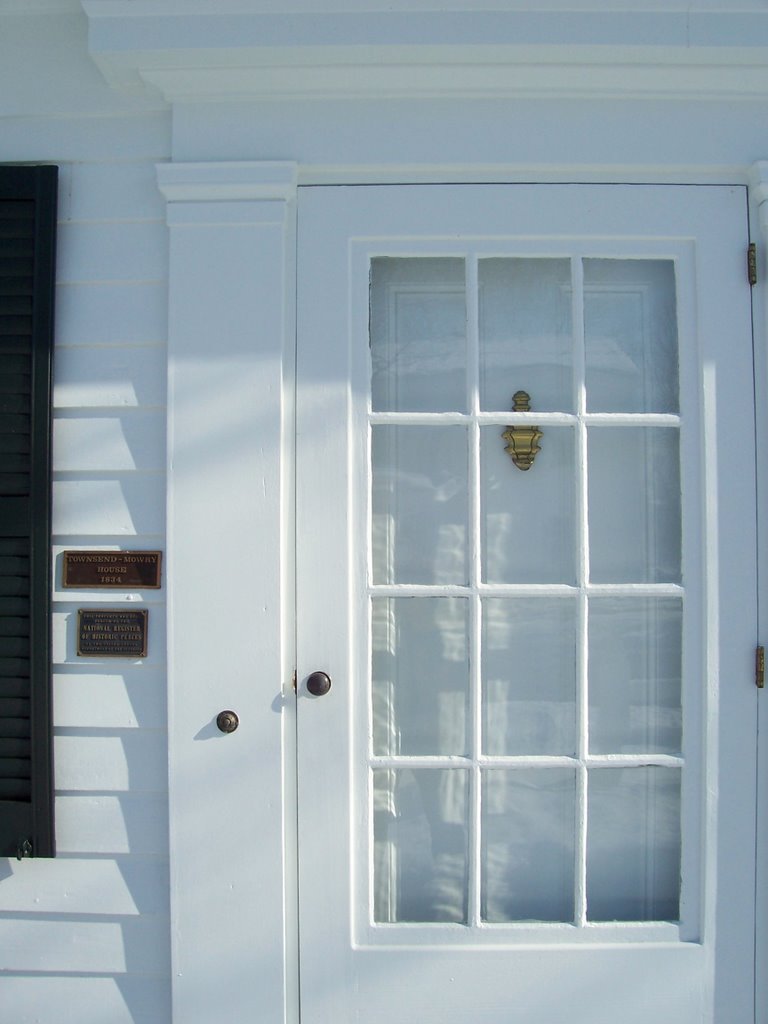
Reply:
x=206, y=51
x=454, y=80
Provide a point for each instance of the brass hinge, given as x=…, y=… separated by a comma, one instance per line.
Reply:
x=760, y=667
x=294, y=680
x=752, y=263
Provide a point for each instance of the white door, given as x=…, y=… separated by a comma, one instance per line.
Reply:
x=528, y=796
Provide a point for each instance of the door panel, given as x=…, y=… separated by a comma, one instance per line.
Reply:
x=526, y=795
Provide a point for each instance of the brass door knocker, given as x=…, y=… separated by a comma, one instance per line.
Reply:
x=523, y=441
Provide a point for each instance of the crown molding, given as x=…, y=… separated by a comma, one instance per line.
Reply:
x=220, y=53
x=478, y=76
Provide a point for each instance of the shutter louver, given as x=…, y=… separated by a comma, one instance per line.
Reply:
x=27, y=238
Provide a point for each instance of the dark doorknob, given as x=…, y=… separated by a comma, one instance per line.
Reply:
x=318, y=684
x=227, y=721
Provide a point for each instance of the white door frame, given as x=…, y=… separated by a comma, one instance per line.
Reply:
x=230, y=602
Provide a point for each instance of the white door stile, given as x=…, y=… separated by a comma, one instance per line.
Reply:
x=352, y=969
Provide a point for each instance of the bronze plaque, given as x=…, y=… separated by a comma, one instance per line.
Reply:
x=130, y=570
x=112, y=632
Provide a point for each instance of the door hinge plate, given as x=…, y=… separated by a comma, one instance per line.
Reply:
x=760, y=667
x=752, y=263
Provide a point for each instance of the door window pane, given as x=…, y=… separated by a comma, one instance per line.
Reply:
x=420, y=675
x=525, y=333
x=630, y=336
x=418, y=335
x=492, y=653
x=633, y=844
x=528, y=828
x=634, y=505
x=420, y=844
x=634, y=675
x=419, y=504
x=529, y=675
x=529, y=517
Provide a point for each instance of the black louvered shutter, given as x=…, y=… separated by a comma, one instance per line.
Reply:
x=27, y=263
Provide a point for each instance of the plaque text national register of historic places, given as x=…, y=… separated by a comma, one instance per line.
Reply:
x=112, y=632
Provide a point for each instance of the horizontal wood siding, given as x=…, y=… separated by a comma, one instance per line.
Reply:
x=86, y=936
x=116, y=999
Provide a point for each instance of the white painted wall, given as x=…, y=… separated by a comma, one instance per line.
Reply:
x=85, y=937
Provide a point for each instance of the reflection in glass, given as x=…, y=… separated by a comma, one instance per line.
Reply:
x=420, y=844
x=633, y=844
x=420, y=675
x=528, y=846
x=630, y=334
x=419, y=504
x=635, y=662
x=529, y=675
x=528, y=518
x=418, y=335
x=525, y=333
x=634, y=505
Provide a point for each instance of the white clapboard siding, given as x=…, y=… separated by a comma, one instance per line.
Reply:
x=57, y=999
x=117, y=696
x=45, y=943
x=129, y=507
x=104, y=887
x=85, y=937
x=79, y=139
x=109, y=442
x=64, y=641
x=100, y=377
x=123, y=376
x=112, y=252
x=116, y=823
x=110, y=192
x=129, y=760
x=111, y=314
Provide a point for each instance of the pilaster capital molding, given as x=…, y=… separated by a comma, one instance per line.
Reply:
x=228, y=182
x=758, y=188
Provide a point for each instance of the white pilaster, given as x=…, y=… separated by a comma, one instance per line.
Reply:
x=230, y=321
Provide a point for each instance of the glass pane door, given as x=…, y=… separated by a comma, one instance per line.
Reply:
x=525, y=591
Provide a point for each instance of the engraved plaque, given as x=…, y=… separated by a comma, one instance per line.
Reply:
x=112, y=632
x=129, y=570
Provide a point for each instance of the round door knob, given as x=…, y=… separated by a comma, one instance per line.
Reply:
x=227, y=721
x=318, y=684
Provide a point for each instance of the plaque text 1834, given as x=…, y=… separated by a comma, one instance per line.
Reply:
x=112, y=569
